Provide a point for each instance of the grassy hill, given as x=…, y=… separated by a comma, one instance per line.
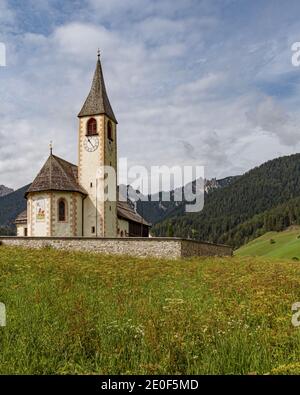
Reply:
x=84, y=313
x=284, y=244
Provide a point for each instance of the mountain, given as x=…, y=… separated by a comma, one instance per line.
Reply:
x=11, y=206
x=236, y=209
x=227, y=210
x=5, y=191
x=155, y=209
x=211, y=185
x=285, y=244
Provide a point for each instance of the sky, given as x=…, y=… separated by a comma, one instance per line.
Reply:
x=191, y=82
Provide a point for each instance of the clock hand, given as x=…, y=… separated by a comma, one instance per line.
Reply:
x=91, y=143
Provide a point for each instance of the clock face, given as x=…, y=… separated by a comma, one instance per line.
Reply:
x=91, y=143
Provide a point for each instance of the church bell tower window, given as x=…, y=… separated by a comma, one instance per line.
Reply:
x=91, y=129
x=109, y=131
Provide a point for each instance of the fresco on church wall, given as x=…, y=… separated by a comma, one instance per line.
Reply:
x=40, y=210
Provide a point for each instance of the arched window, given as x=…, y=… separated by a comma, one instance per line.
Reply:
x=91, y=127
x=109, y=131
x=62, y=210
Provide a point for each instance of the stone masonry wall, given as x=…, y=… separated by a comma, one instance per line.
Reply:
x=190, y=248
x=169, y=248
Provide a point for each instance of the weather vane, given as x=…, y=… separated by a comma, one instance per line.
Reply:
x=98, y=53
x=51, y=147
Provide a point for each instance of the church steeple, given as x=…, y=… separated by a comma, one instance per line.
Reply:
x=97, y=102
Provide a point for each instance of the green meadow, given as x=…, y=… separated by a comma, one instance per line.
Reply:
x=285, y=244
x=89, y=314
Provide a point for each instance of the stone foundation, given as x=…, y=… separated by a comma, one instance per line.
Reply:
x=169, y=248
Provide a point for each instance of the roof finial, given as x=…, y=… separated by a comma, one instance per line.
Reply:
x=98, y=54
x=51, y=147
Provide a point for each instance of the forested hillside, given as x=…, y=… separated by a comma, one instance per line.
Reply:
x=154, y=209
x=236, y=210
x=10, y=207
x=276, y=219
x=229, y=213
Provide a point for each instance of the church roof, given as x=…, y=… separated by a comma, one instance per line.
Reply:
x=57, y=175
x=126, y=212
x=22, y=218
x=97, y=101
x=60, y=175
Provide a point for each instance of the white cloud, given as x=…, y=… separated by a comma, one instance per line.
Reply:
x=182, y=91
x=7, y=17
x=271, y=117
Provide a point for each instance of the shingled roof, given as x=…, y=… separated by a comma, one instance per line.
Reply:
x=22, y=218
x=126, y=212
x=60, y=175
x=56, y=175
x=97, y=101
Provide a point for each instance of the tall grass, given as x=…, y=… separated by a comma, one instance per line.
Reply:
x=88, y=314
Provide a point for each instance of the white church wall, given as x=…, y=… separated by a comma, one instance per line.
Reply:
x=100, y=219
x=39, y=214
x=29, y=216
x=88, y=164
x=123, y=228
x=41, y=207
x=21, y=230
x=79, y=202
x=110, y=159
x=72, y=224
x=62, y=228
x=93, y=217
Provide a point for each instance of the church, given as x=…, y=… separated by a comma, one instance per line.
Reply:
x=62, y=201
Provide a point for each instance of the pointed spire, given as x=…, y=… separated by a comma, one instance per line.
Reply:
x=97, y=101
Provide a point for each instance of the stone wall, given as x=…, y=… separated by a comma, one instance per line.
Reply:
x=191, y=248
x=170, y=248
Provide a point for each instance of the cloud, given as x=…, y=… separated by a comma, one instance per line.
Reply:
x=271, y=117
x=7, y=17
x=190, y=82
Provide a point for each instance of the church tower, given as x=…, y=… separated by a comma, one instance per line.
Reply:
x=97, y=148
